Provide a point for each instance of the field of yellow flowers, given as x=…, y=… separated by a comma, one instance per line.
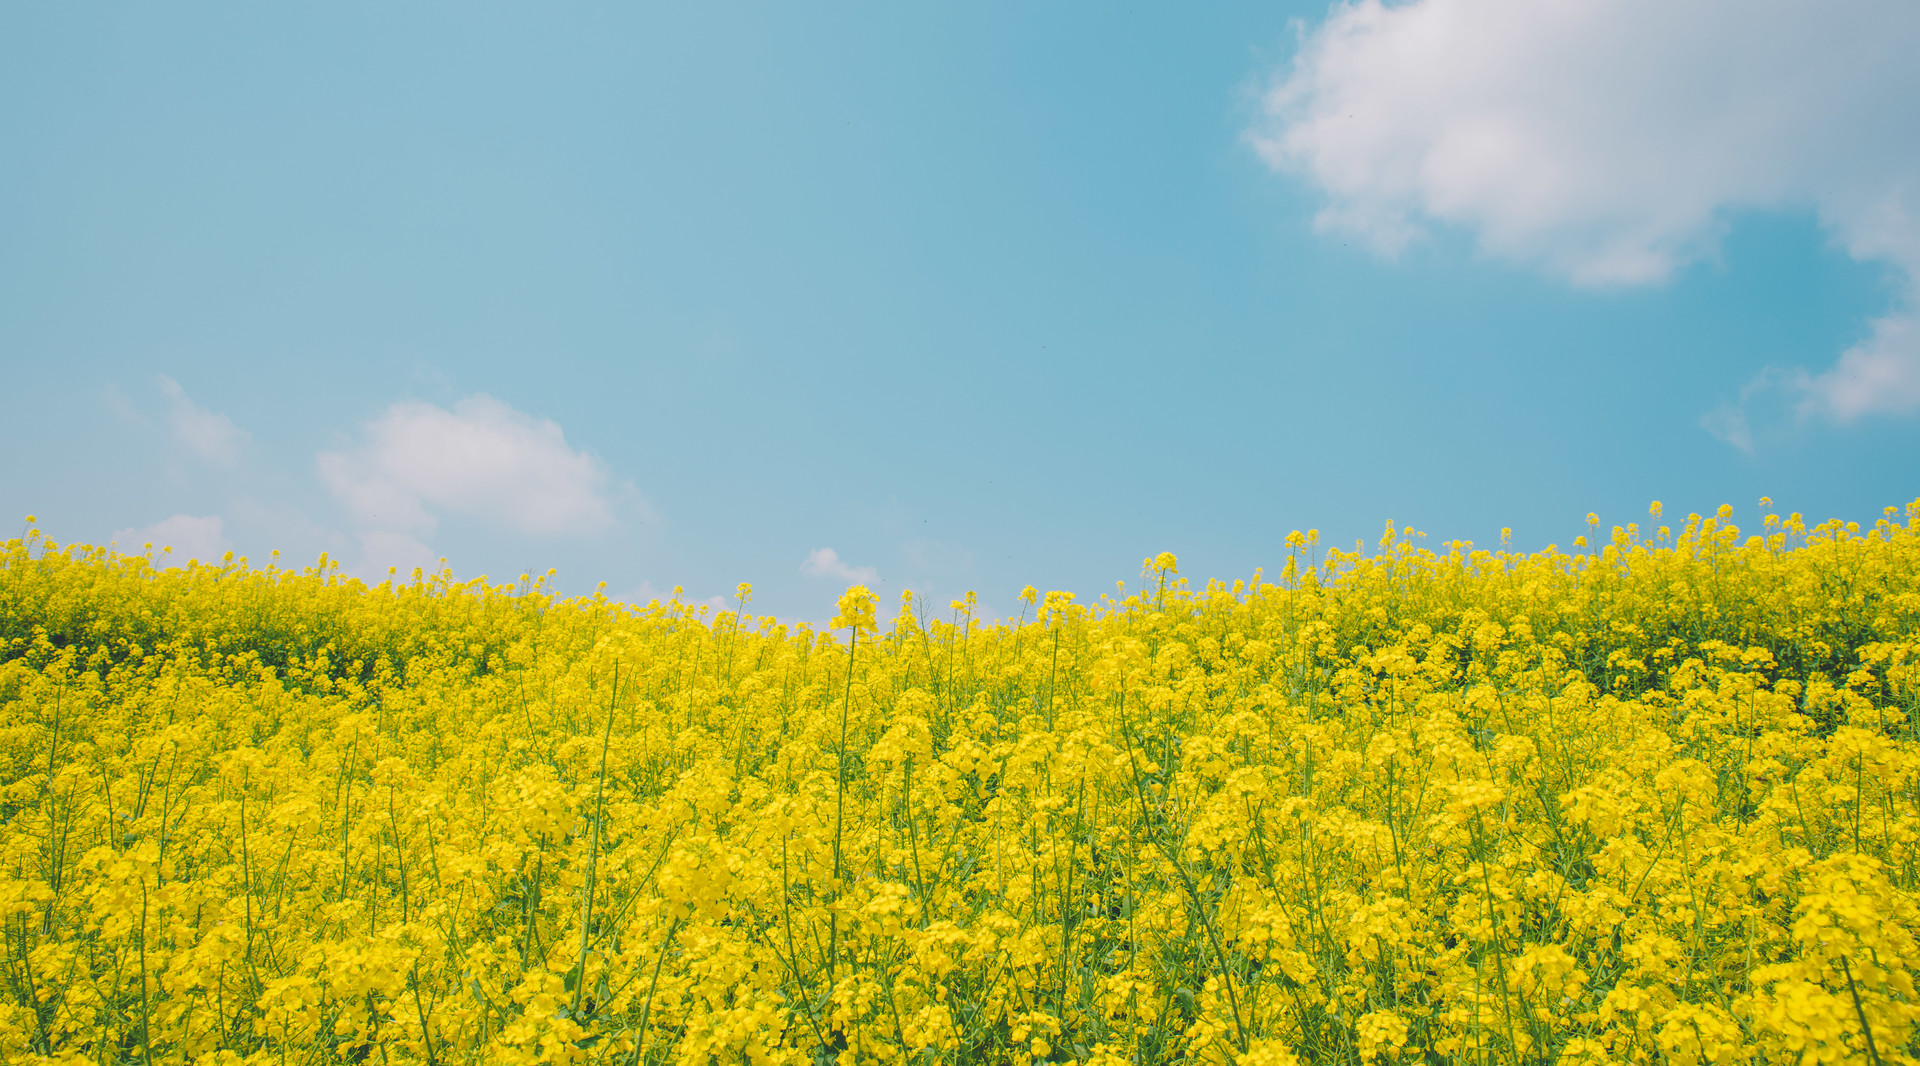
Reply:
x=1653, y=800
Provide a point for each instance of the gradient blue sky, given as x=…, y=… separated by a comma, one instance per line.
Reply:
x=976, y=297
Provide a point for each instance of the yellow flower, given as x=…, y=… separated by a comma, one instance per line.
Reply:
x=1382, y=1034
x=1267, y=1053
x=1656, y=804
x=855, y=609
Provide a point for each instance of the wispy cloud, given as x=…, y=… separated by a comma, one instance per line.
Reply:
x=208, y=434
x=190, y=537
x=384, y=548
x=1881, y=373
x=926, y=556
x=1608, y=142
x=825, y=562
x=1758, y=407
x=483, y=459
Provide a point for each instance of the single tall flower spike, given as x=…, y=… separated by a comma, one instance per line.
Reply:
x=856, y=609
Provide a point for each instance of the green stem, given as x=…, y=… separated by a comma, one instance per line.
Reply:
x=839, y=814
x=646, y=1008
x=1860, y=1012
x=593, y=851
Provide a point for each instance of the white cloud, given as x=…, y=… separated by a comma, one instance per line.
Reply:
x=190, y=537
x=825, y=562
x=482, y=459
x=1881, y=373
x=1608, y=141
x=210, y=435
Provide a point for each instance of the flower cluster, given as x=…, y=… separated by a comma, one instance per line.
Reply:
x=1653, y=801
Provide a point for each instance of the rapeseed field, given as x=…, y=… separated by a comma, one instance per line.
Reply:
x=1652, y=799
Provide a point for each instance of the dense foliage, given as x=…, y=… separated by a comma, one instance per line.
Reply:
x=1653, y=800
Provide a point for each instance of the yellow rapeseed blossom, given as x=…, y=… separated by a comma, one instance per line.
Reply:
x=1649, y=802
x=856, y=609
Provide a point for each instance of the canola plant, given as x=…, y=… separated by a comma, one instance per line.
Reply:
x=1650, y=800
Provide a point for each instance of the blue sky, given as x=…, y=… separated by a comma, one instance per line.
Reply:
x=965, y=298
